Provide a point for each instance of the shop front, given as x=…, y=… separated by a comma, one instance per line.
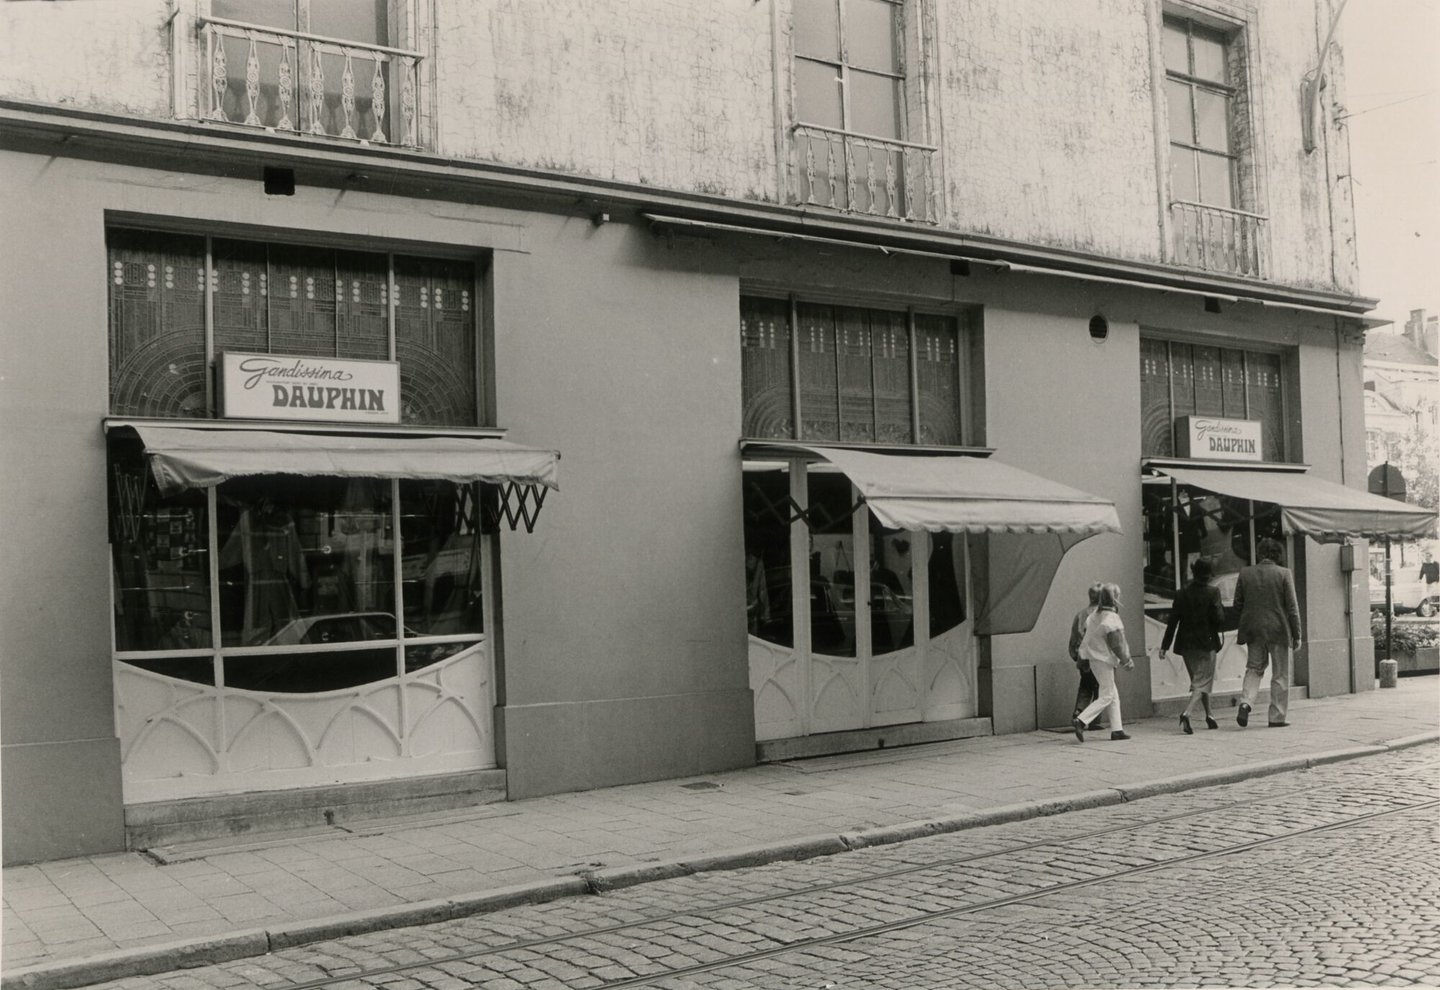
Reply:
x=303, y=548
x=880, y=550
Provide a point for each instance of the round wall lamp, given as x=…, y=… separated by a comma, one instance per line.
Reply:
x=1099, y=327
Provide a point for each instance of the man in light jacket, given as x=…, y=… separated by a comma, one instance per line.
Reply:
x=1269, y=629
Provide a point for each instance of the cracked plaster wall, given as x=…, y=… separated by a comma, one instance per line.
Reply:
x=1044, y=112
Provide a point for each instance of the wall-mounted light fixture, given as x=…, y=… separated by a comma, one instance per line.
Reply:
x=1099, y=327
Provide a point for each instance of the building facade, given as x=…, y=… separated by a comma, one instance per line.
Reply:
x=415, y=403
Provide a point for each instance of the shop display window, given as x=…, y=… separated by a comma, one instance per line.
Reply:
x=1179, y=379
x=302, y=574
x=1194, y=523
x=896, y=559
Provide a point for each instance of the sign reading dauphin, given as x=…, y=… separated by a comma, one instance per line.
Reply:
x=332, y=390
x=1220, y=439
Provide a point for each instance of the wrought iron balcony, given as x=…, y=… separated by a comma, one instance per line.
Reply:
x=1220, y=240
x=307, y=84
x=858, y=174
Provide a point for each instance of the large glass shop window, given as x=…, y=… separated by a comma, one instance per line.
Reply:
x=285, y=299
x=301, y=563
x=896, y=559
x=862, y=375
x=1179, y=379
x=1193, y=524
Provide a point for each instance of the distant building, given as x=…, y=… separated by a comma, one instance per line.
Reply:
x=1402, y=386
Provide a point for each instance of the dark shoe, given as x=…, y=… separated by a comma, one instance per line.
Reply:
x=1079, y=728
x=1210, y=723
x=1278, y=725
x=1242, y=717
x=1185, y=725
x=1117, y=734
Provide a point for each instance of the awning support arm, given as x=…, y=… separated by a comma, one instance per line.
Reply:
x=786, y=510
x=516, y=504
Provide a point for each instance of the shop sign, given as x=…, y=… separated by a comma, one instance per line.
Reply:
x=330, y=390
x=1220, y=439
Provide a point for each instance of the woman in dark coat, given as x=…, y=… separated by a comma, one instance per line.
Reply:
x=1199, y=615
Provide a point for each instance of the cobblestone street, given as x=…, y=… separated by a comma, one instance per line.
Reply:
x=1327, y=877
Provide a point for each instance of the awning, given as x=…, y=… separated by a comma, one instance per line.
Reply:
x=182, y=457
x=1322, y=510
x=968, y=495
x=1032, y=522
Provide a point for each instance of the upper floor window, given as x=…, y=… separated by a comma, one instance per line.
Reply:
x=855, y=375
x=854, y=148
x=278, y=298
x=1179, y=379
x=1211, y=177
x=325, y=67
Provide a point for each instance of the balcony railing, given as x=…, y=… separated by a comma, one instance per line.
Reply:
x=859, y=174
x=304, y=83
x=1219, y=240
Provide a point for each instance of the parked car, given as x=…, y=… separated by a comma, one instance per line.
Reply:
x=1406, y=595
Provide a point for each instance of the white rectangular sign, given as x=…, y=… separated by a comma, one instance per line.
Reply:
x=330, y=390
x=1213, y=438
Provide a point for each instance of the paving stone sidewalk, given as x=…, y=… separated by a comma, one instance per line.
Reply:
x=77, y=921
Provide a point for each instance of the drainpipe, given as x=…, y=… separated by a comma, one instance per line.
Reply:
x=1349, y=576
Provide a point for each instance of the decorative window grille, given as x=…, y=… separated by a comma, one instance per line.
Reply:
x=1178, y=379
x=856, y=375
x=285, y=299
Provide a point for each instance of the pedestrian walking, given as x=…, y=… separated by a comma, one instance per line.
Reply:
x=1269, y=629
x=1089, y=688
x=1194, y=631
x=1105, y=647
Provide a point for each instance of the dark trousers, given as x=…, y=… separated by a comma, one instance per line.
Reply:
x=1089, y=691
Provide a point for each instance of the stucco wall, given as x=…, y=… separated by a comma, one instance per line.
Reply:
x=1045, y=114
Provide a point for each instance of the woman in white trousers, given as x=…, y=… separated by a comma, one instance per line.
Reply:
x=1105, y=647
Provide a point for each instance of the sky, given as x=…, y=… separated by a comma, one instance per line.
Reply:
x=1392, y=73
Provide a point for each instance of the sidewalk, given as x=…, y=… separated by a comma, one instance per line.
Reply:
x=77, y=921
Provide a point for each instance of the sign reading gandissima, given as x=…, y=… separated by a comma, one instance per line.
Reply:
x=330, y=390
x=1220, y=439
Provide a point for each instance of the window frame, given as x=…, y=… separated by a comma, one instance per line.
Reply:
x=1284, y=371
x=267, y=237
x=1229, y=91
x=968, y=418
x=844, y=68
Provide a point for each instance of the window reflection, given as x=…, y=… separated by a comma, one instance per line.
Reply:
x=440, y=540
x=832, y=567
x=891, y=583
x=946, y=573
x=293, y=550
x=159, y=560
x=767, y=553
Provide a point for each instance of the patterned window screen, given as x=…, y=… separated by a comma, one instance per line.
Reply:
x=819, y=388
x=435, y=340
x=937, y=354
x=286, y=299
x=1182, y=379
x=765, y=374
x=854, y=376
x=157, y=324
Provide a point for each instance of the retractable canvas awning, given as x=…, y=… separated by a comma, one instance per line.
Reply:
x=968, y=495
x=1322, y=510
x=1030, y=522
x=183, y=457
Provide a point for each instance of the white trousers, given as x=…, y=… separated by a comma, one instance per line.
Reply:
x=1109, y=698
